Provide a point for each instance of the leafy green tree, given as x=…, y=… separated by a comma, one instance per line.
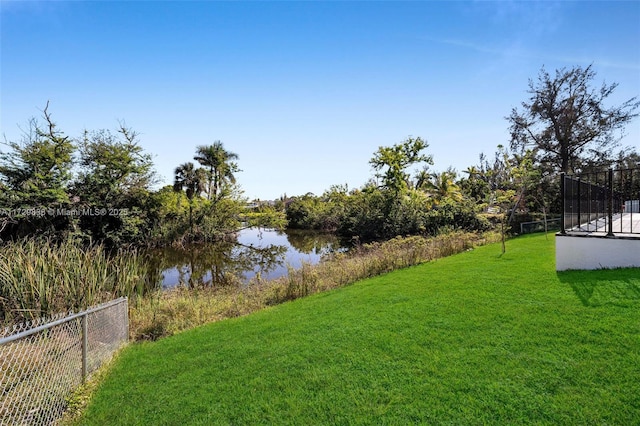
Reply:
x=321, y=213
x=496, y=171
x=395, y=160
x=219, y=219
x=220, y=167
x=565, y=121
x=335, y=198
x=305, y=212
x=170, y=215
x=35, y=174
x=407, y=215
x=520, y=187
x=115, y=177
x=113, y=165
x=364, y=218
x=475, y=185
x=627, y=159
x=38, y=169
x=264, y=216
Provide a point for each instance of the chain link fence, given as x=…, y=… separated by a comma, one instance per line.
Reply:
x=43, y=361
x=539, y=226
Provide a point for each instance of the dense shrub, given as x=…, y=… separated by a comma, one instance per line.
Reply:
x=374, y=214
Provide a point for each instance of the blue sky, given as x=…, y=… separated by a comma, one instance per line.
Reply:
x=303, y=92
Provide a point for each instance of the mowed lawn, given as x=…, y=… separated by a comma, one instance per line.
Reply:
x=476, y=338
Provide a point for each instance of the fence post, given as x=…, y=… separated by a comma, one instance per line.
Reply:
x=579, y=203
x=85, y=344
x=126, y=311
x=610, y=205
x=564, y=202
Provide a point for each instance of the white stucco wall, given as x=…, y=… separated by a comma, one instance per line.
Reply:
x=596, y=253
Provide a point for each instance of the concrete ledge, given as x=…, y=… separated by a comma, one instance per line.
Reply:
x=573, y=252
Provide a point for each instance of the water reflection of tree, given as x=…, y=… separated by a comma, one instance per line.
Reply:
x=313, y=242
x=215, y=264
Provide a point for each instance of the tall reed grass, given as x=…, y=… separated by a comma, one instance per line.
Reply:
x=370, y=260
x=166, y=312
x=39, y=277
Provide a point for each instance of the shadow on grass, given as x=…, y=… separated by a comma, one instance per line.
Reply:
x=620, y=287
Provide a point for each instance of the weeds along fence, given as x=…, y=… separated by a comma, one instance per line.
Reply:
x=43, y=361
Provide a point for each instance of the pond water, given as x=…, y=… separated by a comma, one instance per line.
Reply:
x=264, y=252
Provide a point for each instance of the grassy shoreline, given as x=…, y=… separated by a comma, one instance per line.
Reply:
x=476, y=338
x=39, y=278
x=167, y=312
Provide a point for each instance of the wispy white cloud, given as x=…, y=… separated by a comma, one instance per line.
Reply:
x=517, y=49
x=37, y=8
x=600, y=62
x=528, y=18
x=529, y=25
x=479, y=47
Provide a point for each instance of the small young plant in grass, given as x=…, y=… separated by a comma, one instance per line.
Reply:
x=505, y=200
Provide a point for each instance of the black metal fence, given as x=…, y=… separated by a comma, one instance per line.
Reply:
x=604, y=202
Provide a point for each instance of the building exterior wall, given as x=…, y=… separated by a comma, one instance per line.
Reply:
x=588, y=252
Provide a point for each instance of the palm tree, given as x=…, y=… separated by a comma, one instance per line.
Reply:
x=220, y=166
x=192, y=181
x=442, y=186
x=477, y=184
x=422, y=178
x=472, y=171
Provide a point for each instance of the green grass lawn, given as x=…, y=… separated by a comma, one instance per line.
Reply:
x=476, y=338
